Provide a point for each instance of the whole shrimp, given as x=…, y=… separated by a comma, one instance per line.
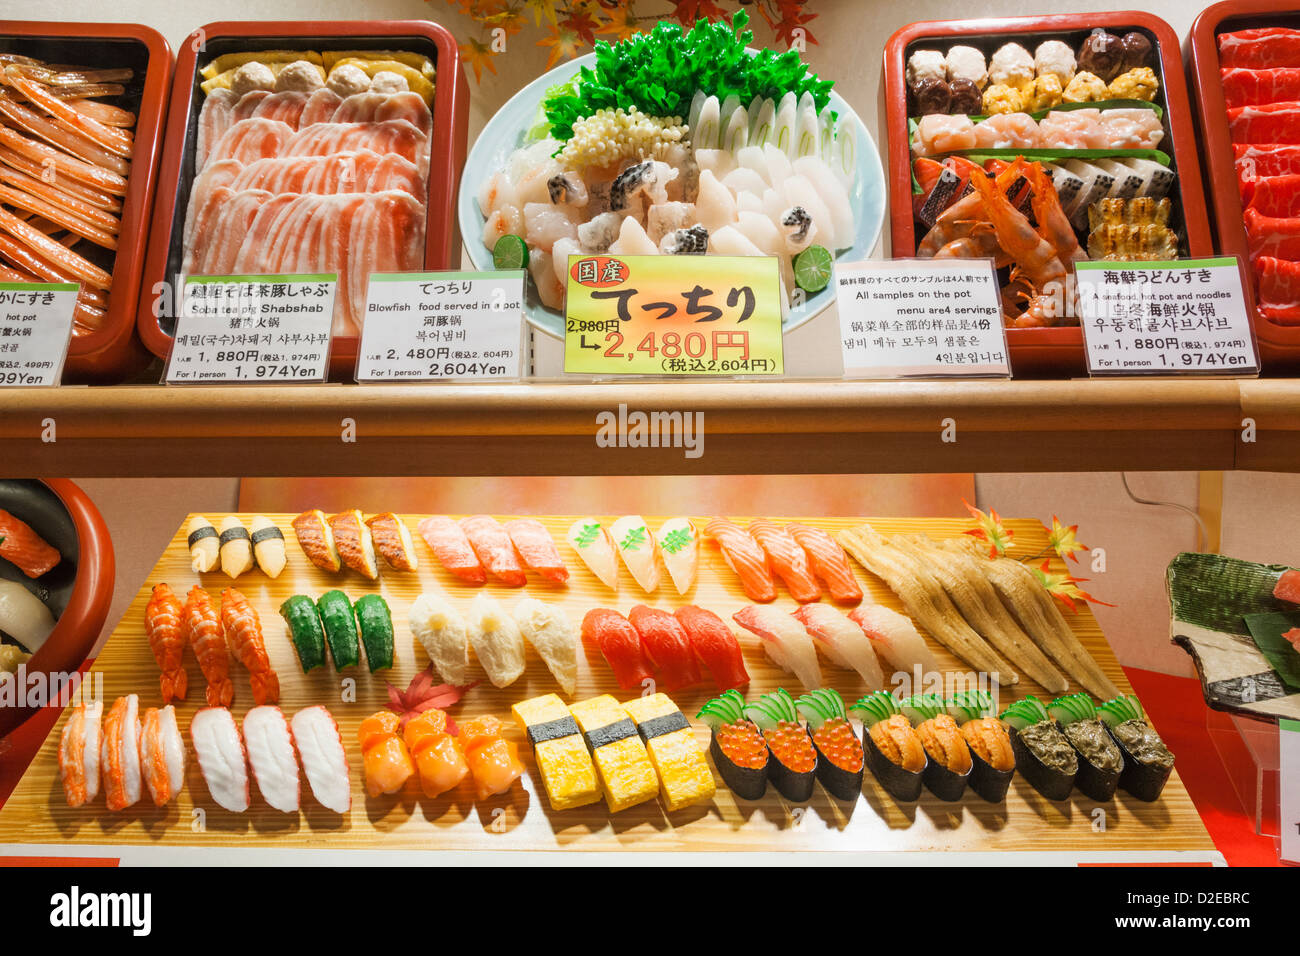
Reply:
x=162, y=625
x=203, y=633
x=244, y=632
x=969, y=214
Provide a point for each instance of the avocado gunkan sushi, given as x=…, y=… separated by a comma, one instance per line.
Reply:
x=948, y=768
x=1147, y=761
x=793, y=767
x=839, y=751
x=1043, y=755
x=993, y=761
x=737, y=748
x=890, y=745
x=1100, y=759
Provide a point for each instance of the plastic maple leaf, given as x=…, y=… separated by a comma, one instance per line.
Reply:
x=1064, y=541
x=478, y=55
x=990, y=530
x=793, y=18
x=1065, y=588
x=687, y=12
x=565, y=44
x=581, y=24
x=622, y=23
x=422, y=694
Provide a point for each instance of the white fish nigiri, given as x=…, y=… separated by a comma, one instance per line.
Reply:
x=24, y=616
x=842, y=641
x=220, y=752
x=895, y=638
x=441, y=630
x=324, y=763
x=785, y=640
x=162, y=754
x=79, y=753
x=270, y=752
x=496, y=640
x=679, y=545
x=636, y=543
x=596, y=548
x=553, y=636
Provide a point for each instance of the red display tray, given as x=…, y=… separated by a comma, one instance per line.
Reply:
x=1056, y=351
x=113, y=352
x=447, y=153
x=1279, y=345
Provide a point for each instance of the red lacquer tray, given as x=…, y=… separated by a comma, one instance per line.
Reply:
x=447, y=154
x=112, y=352
x=1279, y=345
x=1057, y=351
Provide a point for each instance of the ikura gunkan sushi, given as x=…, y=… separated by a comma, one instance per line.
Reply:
x=992, y=757
x=892, y=749
x=794, y=759
x=1147, y=761
x=737, y=748
x=1100, y=760
x=839, y=752
x=1043, y=754
x=949, y=766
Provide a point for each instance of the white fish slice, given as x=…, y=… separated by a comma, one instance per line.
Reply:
x=596, y=548
x=895, y=638
x=324, y=763
x=636, y=544
x=220, y=752
x=496, y=640
x=270, y=752
x=842, y=641
x=553, y=636
x=679, y=545
x=441, y=630
x=785, y=640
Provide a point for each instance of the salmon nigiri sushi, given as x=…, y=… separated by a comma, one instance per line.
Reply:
x=449, y=544
x=828, y=562
x=493, y=760
x=537, y=549
x=745, y=557
x=786, y=559
x=436, y=753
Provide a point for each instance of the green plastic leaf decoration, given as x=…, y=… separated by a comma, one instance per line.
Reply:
x=675, y=540
x=588, y=534
x=633, y=539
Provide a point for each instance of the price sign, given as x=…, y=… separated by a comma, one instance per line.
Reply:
x=905, y=318
x=273, y=328
x=35, y=327
x=443, y=326
x=1289, y=784
x=1185, y=316
x=673, y=315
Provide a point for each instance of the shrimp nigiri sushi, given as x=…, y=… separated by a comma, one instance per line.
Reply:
x=667, y=646
x=894, y=638
x=270, y=752
x=715, y=645
x=636, y=545
x=843, y=641
x=596, y=548
x=436, y=753
x=679, y=545
x=745, y=557
x=79, y=753
x=387, y=761
x=493, y=760
x=162, y=625
x=162, y=754
x=119, y=757
x=620, y=645
x=325, y=765
x=785, y=640
x=220, y=752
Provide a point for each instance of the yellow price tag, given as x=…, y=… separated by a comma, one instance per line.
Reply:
x=673, y=315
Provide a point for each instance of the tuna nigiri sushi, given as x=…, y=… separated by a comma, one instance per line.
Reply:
x=550, y=632
x=436, y=753
x=843, y=641
x=79, y=753
x=794, y=759
x=786, y=559
x=447, y=540
x=596, y=548
x=271, y=755
x=119, y=758
x=737, y=747
x=785, y=640
x=715, y=645
x=894, y=638
x=24, y=548
x=440, y=629
x=667, y=646
x=537, y=549
x=493, y=760
x=745, y=557
x=384, y=755
x=324, y=762
x=679, y=545
x=220, y=753
x=839, y=751
x=620, y=645
x=162, y=754
x=636, y=545
x=828, y=562
x=496, y=640
x=494, y=549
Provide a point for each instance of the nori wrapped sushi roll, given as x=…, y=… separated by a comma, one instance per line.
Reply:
x=839, y=752
x=892, y=749
x=1147, y=761
x=948, y=768
x=738, y=748
x=1100, y=760
x=1043, y=754
x=993, y=761
x=793, y=767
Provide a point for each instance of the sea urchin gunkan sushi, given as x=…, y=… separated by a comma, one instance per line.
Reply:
x=949, y=767
x=737, y=748
x=992, y=757
x=839, y=752
x=892, y=749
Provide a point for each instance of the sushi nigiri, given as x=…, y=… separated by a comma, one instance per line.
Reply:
x=162, y=754
x=203, y=632
x=679, y=545
x=620, y=645
x=991, y=752
x=494, y=549
x=387, y=762
x=437, y=756
x=496, y=640
x=785, y=640
x=268, y=545
x=1147, y=761
x=894, y=638
x=537, y=549
x=392, y=539
x=667, y=646
x=596, y=548
x=794, y=759
x=324, y=763
x=375, y=627
x=202, y=539
x=786, y=559
x=715, y=645
x=737, y=746
x=441, y=630
x=892, y=749
x=79, y=753
x=270, y=753
x=447, y=540
x=828, y=562
x=24, y=548
x=684, y=777
x=550, y=632
x=493, y=760
x=949, y=764
x=307, y=635
x=839, y=751
x=621, y=760
x=843, y=641
x=563, y=760
x=356, y=546
x=317, y=540
x=222, y=761
x=244, y=637
x=24, y=616
x=636, y=545
x=745, y=557
x=338, y=621
x=236, y=547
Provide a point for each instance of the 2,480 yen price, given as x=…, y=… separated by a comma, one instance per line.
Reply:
x=715, y=347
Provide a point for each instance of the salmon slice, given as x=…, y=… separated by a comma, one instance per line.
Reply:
x=407, y=106
x=215, y=118
x=221, y=244
x=745, y=557
x=449, y=544
x=828, y=562
x=247, y=104
x=252, y=139
x=494, y=549
x=320, y=107
x=786, y=559
x=286, y=106
x=24, y=548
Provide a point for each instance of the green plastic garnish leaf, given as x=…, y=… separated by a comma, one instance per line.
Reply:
x=633, y=539
x=588, y=534
x=676, y=539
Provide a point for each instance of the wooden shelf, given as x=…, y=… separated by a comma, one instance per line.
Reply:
x=550, y=428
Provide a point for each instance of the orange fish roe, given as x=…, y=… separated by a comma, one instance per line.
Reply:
x=838, y=744
x=743, y=745
x=791, y=745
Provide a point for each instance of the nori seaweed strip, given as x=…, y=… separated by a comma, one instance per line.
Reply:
x=198, y=534
x=610, y=733
x=555, y=729
x=664, y=724
x=265, y=534
x=233, y=534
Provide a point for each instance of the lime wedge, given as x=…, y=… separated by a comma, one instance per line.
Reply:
x=812, y=268
x=510, y=252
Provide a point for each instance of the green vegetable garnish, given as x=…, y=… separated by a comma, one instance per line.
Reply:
x=510, y=252
x=921, y=707
x=633, y=539
x=812, y=268
x=1072, y=708
x=725, y=709
x=820, y=706
x=873, y=708
x=675, y=540
x=771, y=709
x=969, y=705
x=1025, y=713
x=587, y=534
x=1117, y=711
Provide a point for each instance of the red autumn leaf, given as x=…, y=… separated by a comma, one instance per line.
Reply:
x=422, y=694
x=581, y=24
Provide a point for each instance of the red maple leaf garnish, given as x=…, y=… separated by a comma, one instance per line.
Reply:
x=687, y=12
x=581, y=24
x=792, y=18
x=422, y=694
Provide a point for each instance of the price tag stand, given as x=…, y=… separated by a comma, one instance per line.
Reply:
x=35, y=328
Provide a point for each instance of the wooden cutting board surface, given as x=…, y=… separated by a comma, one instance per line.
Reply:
x=522, y=818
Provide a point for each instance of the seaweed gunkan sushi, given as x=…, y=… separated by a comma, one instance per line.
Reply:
x=993, y=761
x=1100, y=760
x=737, y=748
x=949, y=766
x=892, y=749
x=1043, y=754
x=839, y=752
x=1147, y=761
x=794, y=760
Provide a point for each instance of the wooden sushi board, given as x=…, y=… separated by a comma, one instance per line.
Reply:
x=522, y=819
